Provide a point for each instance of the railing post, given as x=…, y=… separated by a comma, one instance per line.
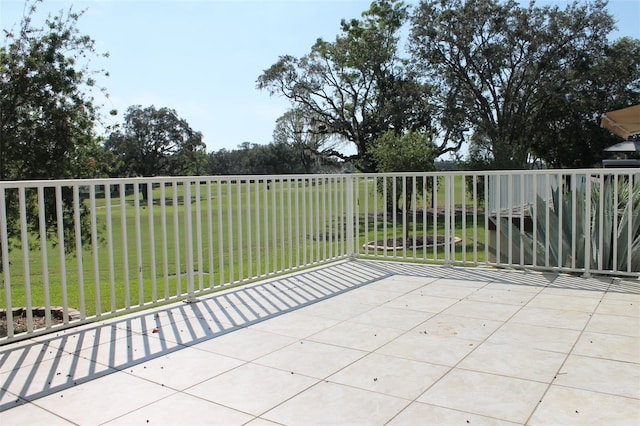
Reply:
x=447, y=220
x=587, y=228
x=350, y=222
x=191, y=298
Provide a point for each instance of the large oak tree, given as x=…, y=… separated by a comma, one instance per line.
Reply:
x=529, y=82
x=359, y=86
x=156, y=142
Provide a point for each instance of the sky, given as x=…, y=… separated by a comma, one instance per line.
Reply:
x=202, y=57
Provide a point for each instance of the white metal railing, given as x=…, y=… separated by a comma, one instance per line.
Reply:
x=83, y=250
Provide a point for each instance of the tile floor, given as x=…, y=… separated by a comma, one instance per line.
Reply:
x=352, y=343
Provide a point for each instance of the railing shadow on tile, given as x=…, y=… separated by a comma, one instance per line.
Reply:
x=52, y=363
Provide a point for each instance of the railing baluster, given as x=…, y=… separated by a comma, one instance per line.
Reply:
x=230, y=230
x=249, y=234
x=94, y=249
x=24, y=241
x=303, y=237
x=44, y=258
x=61, y=255
x=290, y=228
x=199, y=246
x=188, y=231
x=239, y=233
x=210, y=226
x=220, y=233
x=165, y=245
x=138, y=237
x=78, y=235
x=257, y=193
x=6, y=272
x=176, y=238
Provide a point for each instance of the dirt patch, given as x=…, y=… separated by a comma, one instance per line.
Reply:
x=401, y=243
x=39, y=318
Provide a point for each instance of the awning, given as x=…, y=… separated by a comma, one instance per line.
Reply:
x=626, y=146
x=623, y=122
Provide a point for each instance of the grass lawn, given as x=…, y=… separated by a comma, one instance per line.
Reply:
x=240, y=231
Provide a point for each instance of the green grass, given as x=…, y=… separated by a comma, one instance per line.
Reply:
x=130, y=280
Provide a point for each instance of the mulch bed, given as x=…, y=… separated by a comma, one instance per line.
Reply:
x=39, y=319
x=400, y=243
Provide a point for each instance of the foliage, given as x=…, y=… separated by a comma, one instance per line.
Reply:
x=528, y=82
x=276, y=158
x=603, y=81
x=412, y=152
x=309, y=150
x=357, y=87
x=47, y=113
x=618, y=217
x=156, y=142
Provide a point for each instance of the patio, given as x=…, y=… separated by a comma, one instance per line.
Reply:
x=353, y=342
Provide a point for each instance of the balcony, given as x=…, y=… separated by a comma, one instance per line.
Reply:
x=322, y=299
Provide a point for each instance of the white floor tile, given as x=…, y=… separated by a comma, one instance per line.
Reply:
x=614, y=324
x=574, y=320
x=183, y=368
x=310, y=358
x=401, y=283
x=514, y=361
x=246, y=344
x=385, y=316
x=99, y=401
x=624, y=307
x=24, y=354
x=445, y=325
x=52, y=375
x=614, y=347
x=426, y=348
x=183, y=409
x=601, y=375
x=491, y=295
x=354, y=335
x=484, y=310
x=564, y=302
x=252, y=388
x=500, y=397
x=535, y=337
x=568, y=406
x=424, y=414
x=445, y=288
x=30, y=414
x=129, y=350
x=335, y=309
x=390, y=375
x=422, y=302
x=295, y=324
x=334, y=404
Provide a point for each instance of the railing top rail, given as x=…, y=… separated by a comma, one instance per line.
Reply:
x=160, y=179
x=225, y=178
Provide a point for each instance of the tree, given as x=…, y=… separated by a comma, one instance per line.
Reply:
x=411, y=152
x=309, y=149
x=155, y=142
x=357, y=87
x=47, y=113
x=47, y=108
x=603, y=82
x=512, y=73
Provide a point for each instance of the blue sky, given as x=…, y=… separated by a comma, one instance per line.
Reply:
x=202, y=57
